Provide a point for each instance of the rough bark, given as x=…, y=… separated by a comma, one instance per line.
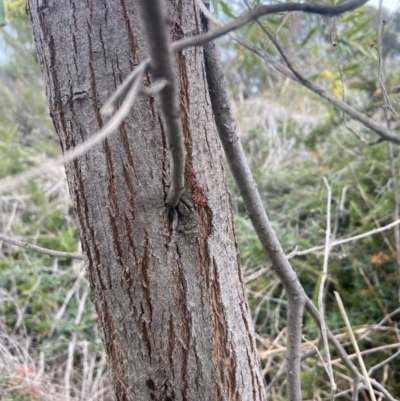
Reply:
x=167, y=286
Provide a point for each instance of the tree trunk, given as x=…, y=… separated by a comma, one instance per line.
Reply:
x=167, y=285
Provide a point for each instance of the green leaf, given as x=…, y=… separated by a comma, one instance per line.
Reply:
x=215, y=7
x=307, y=38
x=348, y=69
x=227, y=10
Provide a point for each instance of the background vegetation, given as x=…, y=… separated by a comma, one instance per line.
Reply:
x=49, y=342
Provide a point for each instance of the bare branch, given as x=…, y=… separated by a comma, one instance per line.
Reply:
x=292, y=73
x=307, y=354
x=383, y=132
x=389, y=317
x=266, y=9
x=45, y=251
x=356, y=386
x=122, y=91
x=345, y=240
x=63, y=308
x=161, y=56
x=328, y=365
x=383, y=363
x=255, y=209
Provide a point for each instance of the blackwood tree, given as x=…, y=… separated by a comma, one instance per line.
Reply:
x=168, y=288
x=165, y=275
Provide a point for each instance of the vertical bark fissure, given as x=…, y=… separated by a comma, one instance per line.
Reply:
x=132, y=42
x=96, y=107
x=184, y=337
x=209, y=270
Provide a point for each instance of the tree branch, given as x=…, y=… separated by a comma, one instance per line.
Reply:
x=161, y=57
x=307, y=354
x=383, y=132
x=321, y=292
x=266, y=9
x=345, y=240
x=355, y=345
x=255, y=209
x=45, y=251
x=293, y=74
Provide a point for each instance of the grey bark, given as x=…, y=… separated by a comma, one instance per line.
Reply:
x=167, y=286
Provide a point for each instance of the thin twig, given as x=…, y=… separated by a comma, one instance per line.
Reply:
x=373, y=291
x=337, y=52
x=371, y=351
x=383, y=363
x=69, y=367
x=283, y=371
x=383, y=132
x=68, y=297
x=257, y=274
x=122, y=91
x=11, y=182
x=45, y=251
x=328, y=365
x=345, y=240
x=267, y=9
x=389, y=316
x=26, y=303
x=355, y=345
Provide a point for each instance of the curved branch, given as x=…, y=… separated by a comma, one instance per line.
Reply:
x=11, y=182
x=255, y=209
x=266, y=9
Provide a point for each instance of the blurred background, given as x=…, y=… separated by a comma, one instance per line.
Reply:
x=49, y=341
